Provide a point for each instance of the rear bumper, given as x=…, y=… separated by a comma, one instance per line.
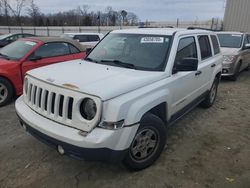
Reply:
x=100, y=144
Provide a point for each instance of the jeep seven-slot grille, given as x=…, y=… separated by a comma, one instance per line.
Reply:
x=54, y=104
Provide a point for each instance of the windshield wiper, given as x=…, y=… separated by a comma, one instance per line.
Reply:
x=91, y=60
x=120, y=63
x=4, y=56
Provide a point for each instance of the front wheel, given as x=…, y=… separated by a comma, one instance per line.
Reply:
x=148, y=143
x=6, y=92
x=210, y=98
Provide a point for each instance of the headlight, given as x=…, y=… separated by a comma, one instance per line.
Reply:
x=25, y=85
x=229, y=58
x=112, y=125
x=88, y=109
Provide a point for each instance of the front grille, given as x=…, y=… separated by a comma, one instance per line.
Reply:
x=49, y=102
x=59, y=104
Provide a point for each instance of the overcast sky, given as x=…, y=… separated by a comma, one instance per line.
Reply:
x=152, y=10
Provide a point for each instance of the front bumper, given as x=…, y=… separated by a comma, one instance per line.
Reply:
x=100, y=144
x=228, y=69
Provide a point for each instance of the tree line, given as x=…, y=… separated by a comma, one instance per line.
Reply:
x=27, y=13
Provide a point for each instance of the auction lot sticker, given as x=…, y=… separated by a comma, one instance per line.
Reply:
x=152, y=40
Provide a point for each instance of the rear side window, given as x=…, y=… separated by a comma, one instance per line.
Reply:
x=87, y=38
x=93, y=38
x=186, y=48
x=81, y=38
x=216, y=45
x=53, y=49
x=205, y=47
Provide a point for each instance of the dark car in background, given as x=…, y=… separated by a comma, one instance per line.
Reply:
x=9, y=38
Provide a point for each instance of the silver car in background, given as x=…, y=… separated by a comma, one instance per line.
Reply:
x=235, y=47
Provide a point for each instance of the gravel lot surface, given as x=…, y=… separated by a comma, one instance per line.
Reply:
x=207, y=148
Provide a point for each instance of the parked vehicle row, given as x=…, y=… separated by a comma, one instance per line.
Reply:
x=117, y=104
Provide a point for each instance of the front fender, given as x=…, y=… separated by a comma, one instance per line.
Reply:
x=132, y=106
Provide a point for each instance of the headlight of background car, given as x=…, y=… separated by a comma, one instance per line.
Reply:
x=229, y=58
x=88, y=109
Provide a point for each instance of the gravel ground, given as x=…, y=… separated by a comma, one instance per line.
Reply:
x=206, y=148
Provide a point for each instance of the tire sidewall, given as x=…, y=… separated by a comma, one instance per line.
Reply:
x=149, y=121
x=10, y=89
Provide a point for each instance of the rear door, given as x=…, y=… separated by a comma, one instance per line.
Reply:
x=47, y=54
x=207, y=62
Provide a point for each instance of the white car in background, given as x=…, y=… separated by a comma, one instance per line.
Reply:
x=86, y=39
x=235, y=47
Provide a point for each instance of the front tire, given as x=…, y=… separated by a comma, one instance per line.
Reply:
x=6, y=92
x=210, y=98
x=148, y=143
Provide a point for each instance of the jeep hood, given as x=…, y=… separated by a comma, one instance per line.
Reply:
x=230, y=51
x=100, y=80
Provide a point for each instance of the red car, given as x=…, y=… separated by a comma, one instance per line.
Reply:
x=25, y=54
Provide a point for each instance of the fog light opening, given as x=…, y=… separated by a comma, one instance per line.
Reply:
x=60, y=150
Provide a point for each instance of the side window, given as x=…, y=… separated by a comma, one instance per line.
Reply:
x=81, y=38
x=216, y=45
x=248, y=37
x=73, y=49
x=93, y=38
x=205, y=47
x=13, y=38
x=53, y=49
x=186, y=48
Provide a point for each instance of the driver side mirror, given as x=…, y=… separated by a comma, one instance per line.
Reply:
x=247, y=46
x=186, y=65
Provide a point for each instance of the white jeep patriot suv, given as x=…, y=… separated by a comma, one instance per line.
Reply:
x=117, y=104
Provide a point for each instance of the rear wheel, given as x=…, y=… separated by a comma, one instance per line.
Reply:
x=209, y=100
x=148, y=143
x=6, y=92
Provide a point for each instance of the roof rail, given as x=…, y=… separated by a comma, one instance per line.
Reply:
x=155, y=27
x=201, y=28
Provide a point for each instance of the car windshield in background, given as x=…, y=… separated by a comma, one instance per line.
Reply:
x=230, y=40
x=137, y=51
x=17, y=50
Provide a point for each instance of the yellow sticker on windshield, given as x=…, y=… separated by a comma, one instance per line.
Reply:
x=152, y=40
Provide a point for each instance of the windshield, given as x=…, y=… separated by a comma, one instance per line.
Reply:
x=230, y=40
x=138, y=51
x=17, y=50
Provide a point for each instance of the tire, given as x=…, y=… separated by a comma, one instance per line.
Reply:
x=211, y=97
x=248, y=68
x=236, y=74
x=147, y=144
x=6, y=92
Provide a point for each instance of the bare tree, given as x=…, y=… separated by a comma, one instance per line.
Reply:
x=16, y=7
x=5, y=10
x=34, y=12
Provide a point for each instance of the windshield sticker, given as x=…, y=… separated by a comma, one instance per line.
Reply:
x=236, y=35
x=30, y=43
x=152, y=40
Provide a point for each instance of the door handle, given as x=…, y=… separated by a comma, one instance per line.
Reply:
x=213, y=65
x=198, y=73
